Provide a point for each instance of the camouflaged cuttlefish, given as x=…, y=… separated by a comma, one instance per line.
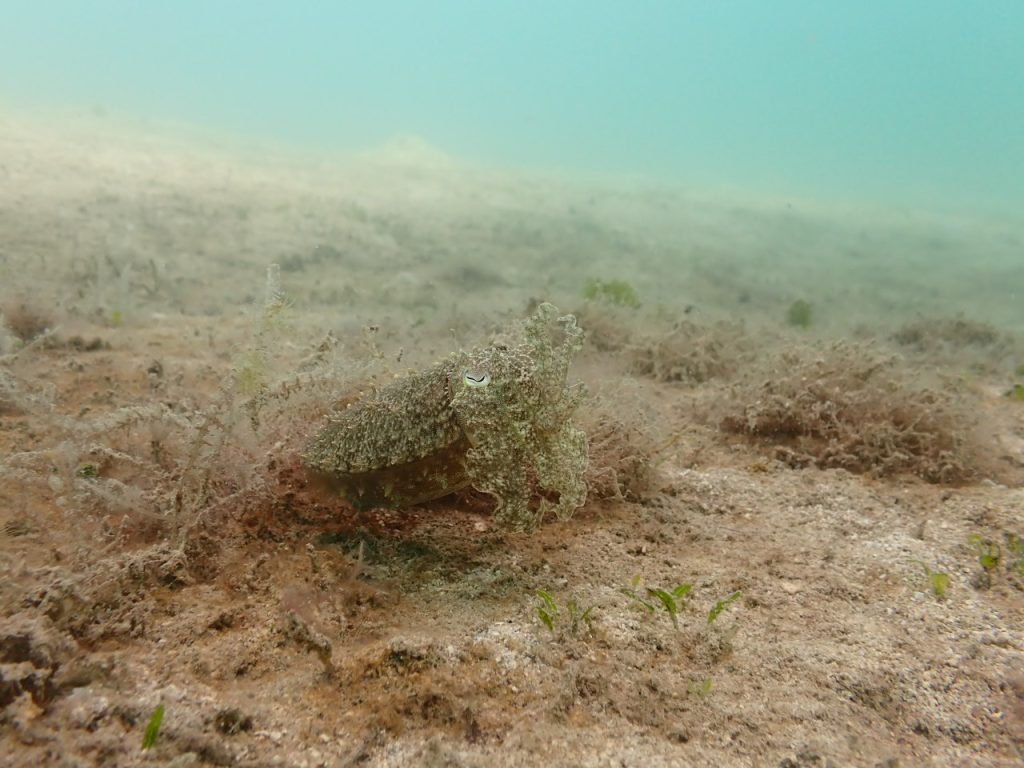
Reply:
x=498, y=419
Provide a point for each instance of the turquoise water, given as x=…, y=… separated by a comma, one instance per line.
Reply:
x=919, y=102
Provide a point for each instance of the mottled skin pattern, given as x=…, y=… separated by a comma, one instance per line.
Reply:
x=491, y=418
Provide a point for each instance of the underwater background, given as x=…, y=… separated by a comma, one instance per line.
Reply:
x=918, y=103
x=300, y=465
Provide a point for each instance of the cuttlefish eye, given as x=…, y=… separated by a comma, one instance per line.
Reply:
x=476, y=378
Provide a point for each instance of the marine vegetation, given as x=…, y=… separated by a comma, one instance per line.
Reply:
x=938, y=580
x=153, y=727
x=800, y=313
x=551, y=616
x=498, y=418
x=617, y=292
x=1015, y=546
x=989, y=556
x=847, y=406
x=672, y=601
x=721, y=605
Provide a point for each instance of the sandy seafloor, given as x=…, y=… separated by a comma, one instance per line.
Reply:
x=159, y=543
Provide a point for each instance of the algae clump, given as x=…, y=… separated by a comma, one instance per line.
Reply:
x=617, y=292
x=800, y=314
